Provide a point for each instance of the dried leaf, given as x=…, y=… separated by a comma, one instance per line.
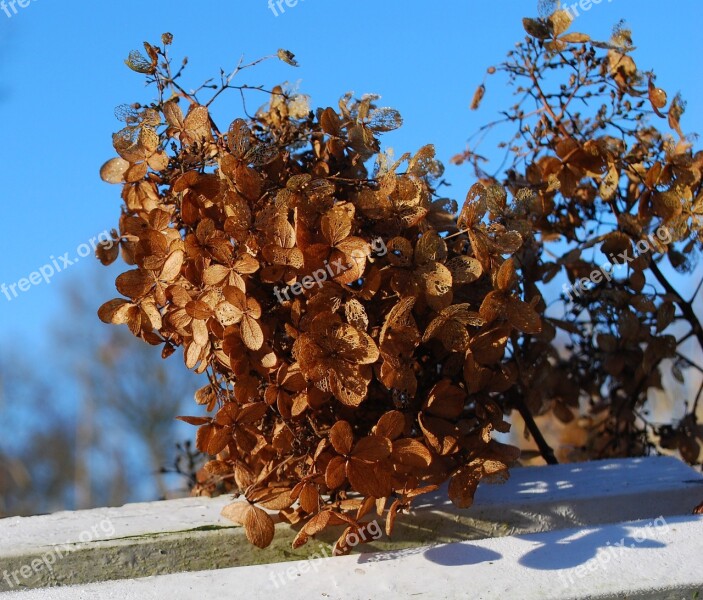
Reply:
x=287, y=57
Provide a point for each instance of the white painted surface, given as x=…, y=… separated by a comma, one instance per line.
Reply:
x=19, y=535
x=661, y=562
x=623, y=489
x=535, y=499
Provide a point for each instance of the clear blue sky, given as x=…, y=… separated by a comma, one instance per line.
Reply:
x=62, y=73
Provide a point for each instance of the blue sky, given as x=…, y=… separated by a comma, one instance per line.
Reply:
x=62, y=74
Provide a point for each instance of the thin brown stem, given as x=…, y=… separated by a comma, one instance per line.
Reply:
x=684, y=306
x=544, y=448
x=548, y=106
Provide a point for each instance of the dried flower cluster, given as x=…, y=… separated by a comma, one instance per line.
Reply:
x=602, y=180
x=381, y=380
x=364, y=391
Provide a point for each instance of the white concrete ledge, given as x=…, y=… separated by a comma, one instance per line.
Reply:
x=177, y=536
x=642, y=560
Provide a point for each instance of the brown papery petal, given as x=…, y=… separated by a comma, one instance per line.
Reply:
x=391, y=425
x=173, y=113
x=341, y=437
x=113, y=170
x=252, y=335
x=367, y=480
x=114, y=311
x=335, y=473
x=258, y=526
x=134, y=284
x=236, y=512
x=372, y=448
x=463, y=484
x=412, y=453
x=172, y=267
x=336, y=225
x=523, y=317
x=464, y=269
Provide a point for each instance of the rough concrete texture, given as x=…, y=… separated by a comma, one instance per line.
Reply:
x=634, y=561
x=190, y=535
